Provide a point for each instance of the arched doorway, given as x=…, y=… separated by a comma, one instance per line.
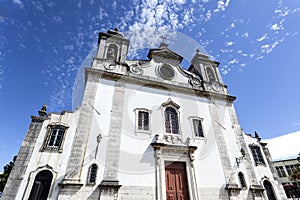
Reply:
x=269, y=190
x=41, y=186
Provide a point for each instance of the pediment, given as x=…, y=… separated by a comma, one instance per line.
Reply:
x=164, y=53
x=170, y=103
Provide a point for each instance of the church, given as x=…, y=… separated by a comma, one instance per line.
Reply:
x=146, y=129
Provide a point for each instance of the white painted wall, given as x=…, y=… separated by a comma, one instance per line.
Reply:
x=58, y=161
x=99, y=125
x=136, y=152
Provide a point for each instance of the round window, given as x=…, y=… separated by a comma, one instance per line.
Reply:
x=166, y=72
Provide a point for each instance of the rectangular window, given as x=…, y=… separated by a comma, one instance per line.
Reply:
x=54, y=137
x=257, y=155
x=290, y=169
x=198, y=130
x=280, y=171
x=143, y=120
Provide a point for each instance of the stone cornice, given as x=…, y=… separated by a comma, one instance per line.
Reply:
x=156, y=83
x=38, y=119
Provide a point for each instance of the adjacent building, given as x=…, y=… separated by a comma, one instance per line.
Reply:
x=146, y=129
x=286, y=159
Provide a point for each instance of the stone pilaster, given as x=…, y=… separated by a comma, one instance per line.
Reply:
x=109, y=190
x=17, y=174
x=77, y=155
x=110, y=184
x=233, y=191
x=255, y=187
x=277, y=184
x=221, y=143
x=240, y=137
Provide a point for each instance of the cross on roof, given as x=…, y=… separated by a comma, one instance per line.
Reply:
x=163, y=38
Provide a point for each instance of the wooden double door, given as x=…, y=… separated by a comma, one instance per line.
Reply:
x=176, y=181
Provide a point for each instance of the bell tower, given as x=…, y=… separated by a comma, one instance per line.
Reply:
x=208, y=71
x=112, y=46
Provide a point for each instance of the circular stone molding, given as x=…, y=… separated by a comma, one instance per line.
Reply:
x=166, y=72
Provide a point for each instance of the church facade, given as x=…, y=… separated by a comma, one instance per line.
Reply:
x=146, y=129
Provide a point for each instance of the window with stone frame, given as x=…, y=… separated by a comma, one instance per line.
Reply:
x=290, y=168
x=197, y=127
x=257, y=155
x=92, y=175
x=54, y=137
x=242, y=180
x=171, y=120
x=142, y=120
x=280, y=171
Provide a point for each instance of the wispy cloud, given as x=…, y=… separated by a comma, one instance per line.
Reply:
x=19, y=3
x=143, y=22
x=229, y=43
x=222, y=5
x=265, y=36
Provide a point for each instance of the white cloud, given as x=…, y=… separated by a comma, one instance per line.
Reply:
x=275, y=27
x=245, y=35
x=221, y=5
x=230, y=43
x=57, y=19
x=234, y=61
x=208, y=15
x=114, y=5
x=267, y=48
x=226, y=50
x=259, y=57
x=265, y=36
x=19, y=3
x=38, y=5
x=180, y=1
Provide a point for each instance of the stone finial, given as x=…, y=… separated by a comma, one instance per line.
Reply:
x=197, y=51
x=43, y=111
x=256, y=135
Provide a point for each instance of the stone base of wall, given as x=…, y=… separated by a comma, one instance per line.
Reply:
x=82, y=193
x=213, y=193
x=136, y=193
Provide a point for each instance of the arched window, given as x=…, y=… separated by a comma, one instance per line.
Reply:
x=211, y=74
x=171, y=121
x=41, y=185
x=92, y=174
x=112, y=51
x=269, y=190
x=242, y=180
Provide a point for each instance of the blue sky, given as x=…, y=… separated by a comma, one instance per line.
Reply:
x=44, y=43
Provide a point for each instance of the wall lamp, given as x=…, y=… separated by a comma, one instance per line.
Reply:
x=240, y=159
